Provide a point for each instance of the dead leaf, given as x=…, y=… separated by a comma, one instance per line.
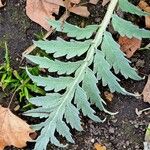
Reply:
x=143, y=5
x=147, y=18
x=99, y=147
x=109, y=96
x=129, y=46
x=2, y=3
x=14, y=131
x=93, y=2
x=39, y=10
x=105, y=2
x=62, y=3
x=146, y=91
x=80, y=10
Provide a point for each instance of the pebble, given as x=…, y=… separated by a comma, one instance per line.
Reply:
x=92, y=140
x=111, y=130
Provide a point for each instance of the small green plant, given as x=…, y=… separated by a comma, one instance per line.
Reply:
x=18, y=81
x=74, y=88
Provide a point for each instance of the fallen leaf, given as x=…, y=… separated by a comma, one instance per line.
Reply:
x=80, y=10
x=99, y=147
x=147, y=18
x=14, y=131
x=129, y=46
x=2, y=3
x=93, y=2
x=105, y=2
x=62, y=3
x=109, y=96
x=143, y=5
x=39, y=10
x=146, y=91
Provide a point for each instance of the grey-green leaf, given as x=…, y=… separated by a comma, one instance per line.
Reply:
x=116, y=57
x=64, y=130
x=102, y=69
x=55, y=65
x=127, y=28
x=64, y=48
x=72, y=116
x=90, y=87
x=72, y=30
x=51, y=83
x=126, y=6
x=82, y=103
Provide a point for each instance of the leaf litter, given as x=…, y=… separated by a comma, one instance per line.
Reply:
x=13, y=130
x=2, y=3
x=41, y=10
x=129, y=46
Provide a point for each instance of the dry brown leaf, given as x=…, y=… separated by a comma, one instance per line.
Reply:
x=146, y=91
x=80, y=10
x=129, y=46
x=105, y=2
x=62, y=3
x=147, y=18
x=109, y=96
x=143, y=5
x=93, y=2
x=39, y=10
x=13, y=130
x=99, y=147
x=2, y=3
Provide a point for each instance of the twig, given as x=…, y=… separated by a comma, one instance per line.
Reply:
x=32, y=47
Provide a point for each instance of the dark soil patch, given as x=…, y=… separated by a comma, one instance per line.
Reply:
x=123, y=131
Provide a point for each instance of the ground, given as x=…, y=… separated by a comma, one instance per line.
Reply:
x=124, y=131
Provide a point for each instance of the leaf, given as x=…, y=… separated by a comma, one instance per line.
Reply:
x=116, y=58
x=93, y=2
x=102, y=69
x=2, y=3
x=126, y=28
x=14, y=131
x=82, y=103
x=39, y=10
x=99, y=147
x=80, y=10
x=55, y=46
x=126, y=6
x=105, y=2
x=109, y=96
x=62, y=2
x=55, y=65
x=74, y=31
x=143, y=5
x=51, y=83
x=89, y=86
x=146, y=91
x=129, y=46
x=79, y=90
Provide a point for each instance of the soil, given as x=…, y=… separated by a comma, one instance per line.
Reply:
x=124, y=131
